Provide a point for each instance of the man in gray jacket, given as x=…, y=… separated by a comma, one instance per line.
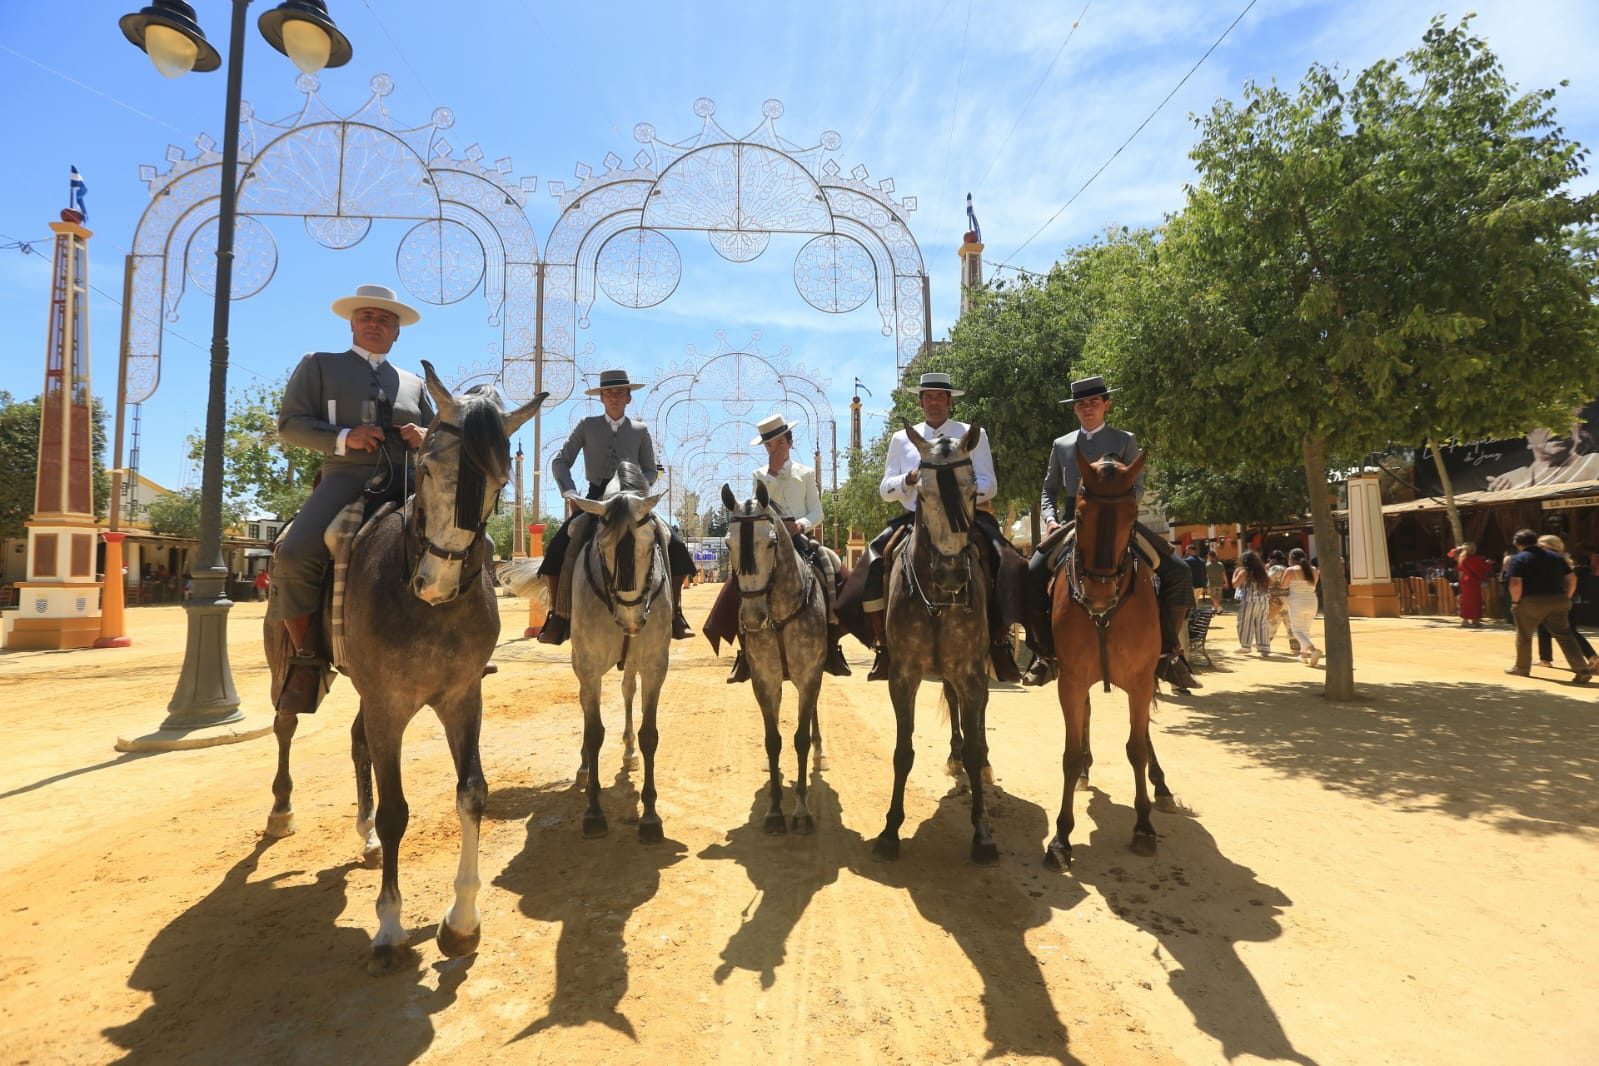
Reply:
x=1094, y=440
x=366, y=417
x=604, y=441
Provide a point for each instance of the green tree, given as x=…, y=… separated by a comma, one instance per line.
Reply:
x=261, y=472
x=19, y=459
x=178, y=514
x=1206, y=495
x=1392, y=261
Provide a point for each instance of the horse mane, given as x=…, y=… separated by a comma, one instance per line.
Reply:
x=746, y=543
x=485, y=451
x=628, y=479
x=949, y=489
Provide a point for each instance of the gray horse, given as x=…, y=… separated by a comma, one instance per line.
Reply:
x=937, y=625
x=782, y=619
x=420, y=623
x=621, y=577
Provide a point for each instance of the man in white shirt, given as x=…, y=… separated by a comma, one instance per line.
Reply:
x=793, y=491
x=900, y=482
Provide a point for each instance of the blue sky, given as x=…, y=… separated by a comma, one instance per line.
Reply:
x=1003, y=100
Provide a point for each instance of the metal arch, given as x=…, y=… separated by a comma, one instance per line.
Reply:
x=371, y=154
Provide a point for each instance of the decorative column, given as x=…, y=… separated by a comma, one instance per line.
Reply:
x=59, y=603
x=971, y=253
x=1372, y=593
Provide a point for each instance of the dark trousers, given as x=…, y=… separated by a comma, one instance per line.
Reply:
x=1546, y=642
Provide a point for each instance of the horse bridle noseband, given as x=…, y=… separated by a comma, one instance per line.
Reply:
x=1079, y=573
x=961, y=597
x=605, y=588
x=418, y=525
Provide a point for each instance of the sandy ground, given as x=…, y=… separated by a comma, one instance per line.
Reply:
x=1407, y=878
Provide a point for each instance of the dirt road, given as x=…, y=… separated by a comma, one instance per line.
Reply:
x=1407, y=878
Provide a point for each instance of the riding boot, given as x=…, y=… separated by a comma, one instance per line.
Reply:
x=1173, y=615
x=835, y=663
x=879, y=670
x=556, y=627
x=1041, y=642
x=302, y=684
x=1005, y=668
x=680, y=629
x=741, y=669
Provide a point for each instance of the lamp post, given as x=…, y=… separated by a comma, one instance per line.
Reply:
x=169, y=34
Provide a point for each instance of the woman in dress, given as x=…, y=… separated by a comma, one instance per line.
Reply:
x=1301, y=579
x=1474, y=572
x=1253, y=584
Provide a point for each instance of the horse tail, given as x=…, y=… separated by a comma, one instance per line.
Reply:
x=521, y=576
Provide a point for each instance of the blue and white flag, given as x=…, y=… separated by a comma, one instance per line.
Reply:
x=79, y=191
x=971, y=220
x=861, y=388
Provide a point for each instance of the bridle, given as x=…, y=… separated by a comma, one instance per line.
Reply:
x=959, y=521
x=806, y=574
x=1079, y=575
x=418, y=519
x=605, y=586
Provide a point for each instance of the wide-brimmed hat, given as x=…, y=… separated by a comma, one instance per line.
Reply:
x=1088, y=388
x=770, y=427
x=376, y=296
x=612, y=379
x=940, y=382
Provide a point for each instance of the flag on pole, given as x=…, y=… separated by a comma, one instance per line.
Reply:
x=971, y=220
x=79, y=191
x=861, y=388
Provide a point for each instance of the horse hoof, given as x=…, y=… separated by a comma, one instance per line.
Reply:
x=956, y=769
x=775, y=824
x=390, y=958
x=1143, y=844
x=804, y=824
x=1173, y=805
x=649, y=830
x=280, y=825
x=595, y=825
x=1058, y=856
x=454, y=944
x=988, y=775
x=822, y=763
x=581, y=778
x=886, y=849
x=985, y=853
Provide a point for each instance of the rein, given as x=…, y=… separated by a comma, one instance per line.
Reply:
x=416, y=521
x=1079, y=574
x=807, y=579
x=949, y=496
x=605, y=588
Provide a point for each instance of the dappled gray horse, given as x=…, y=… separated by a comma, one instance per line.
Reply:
x=782, y=621
x=420, y=622
x=937, y=625
x=620, y=579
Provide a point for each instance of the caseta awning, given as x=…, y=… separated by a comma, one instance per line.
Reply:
x=1572, y=494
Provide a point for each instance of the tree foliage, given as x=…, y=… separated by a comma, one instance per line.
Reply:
x=178, y=514
x=261, y=472
x=19, y=461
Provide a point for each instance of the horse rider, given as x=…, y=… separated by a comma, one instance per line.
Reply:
x=791, y=487
x=936, y=395
x=366, y=416
x=605, y=441
x=1094, y=440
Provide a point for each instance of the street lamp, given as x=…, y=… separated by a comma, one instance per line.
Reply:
x=169, y=34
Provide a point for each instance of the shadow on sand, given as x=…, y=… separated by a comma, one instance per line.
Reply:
x=217, y=1001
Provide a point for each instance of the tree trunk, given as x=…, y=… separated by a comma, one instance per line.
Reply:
x=1455, y=527
x=1340, y=684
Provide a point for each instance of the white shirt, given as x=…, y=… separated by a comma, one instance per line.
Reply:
x=794, y=491
x=904, y=458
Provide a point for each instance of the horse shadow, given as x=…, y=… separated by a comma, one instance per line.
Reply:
x=988, y=912
x=1159, y=896
x=787, y=871
x=216, y=1001
x=590, y=888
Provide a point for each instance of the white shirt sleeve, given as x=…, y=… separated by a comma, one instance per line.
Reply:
x=901, y=460
x=983, y=467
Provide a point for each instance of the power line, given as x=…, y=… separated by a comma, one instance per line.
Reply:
x=1214, y=45
x=995, y=156
x=89, y=88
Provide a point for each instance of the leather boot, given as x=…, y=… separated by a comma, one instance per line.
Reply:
x=556, y=627
x=879, y=670
x=1041, y=642
x=741, y=669
x=302, y=684
x=680, y=628
x=835, y=664
x=1005, y=668
x=1178, y=673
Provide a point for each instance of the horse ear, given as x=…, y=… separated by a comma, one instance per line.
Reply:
x=1136, y=467
x=762, y=497
x=443, y=402
x=728, y=500
x=1085, y=469
x=517, y=418
x=918, y=441
x=643, y=506
x=973, y=435
x=593, y=507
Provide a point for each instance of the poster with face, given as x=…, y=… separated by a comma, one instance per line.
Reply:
x=1541, y=457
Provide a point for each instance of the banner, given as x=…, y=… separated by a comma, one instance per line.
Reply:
x=1538, y=458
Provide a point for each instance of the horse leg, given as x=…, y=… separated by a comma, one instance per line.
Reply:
x=974, y=755
x=393, y=815
x=1074, y=712
x=902, y=687
x=769, y=694
x=1164, y=800
x=594, y=824
x=949, y=705
x=629, y=737
x=365, y=823
x=816, y=740
x=1138, y=754
x=808, y=690
x=462, y=926
x=649, y=823
x=280, y=823
x=1088, y=736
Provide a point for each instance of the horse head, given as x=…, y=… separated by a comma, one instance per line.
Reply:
x=464, y=463
x=632, y=560
x=1107, y=509
x=755, y=538
x=947, y=485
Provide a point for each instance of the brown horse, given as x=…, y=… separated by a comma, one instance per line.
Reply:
x=1107, y=629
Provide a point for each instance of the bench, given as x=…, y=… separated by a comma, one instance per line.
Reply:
x=1199, y=625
